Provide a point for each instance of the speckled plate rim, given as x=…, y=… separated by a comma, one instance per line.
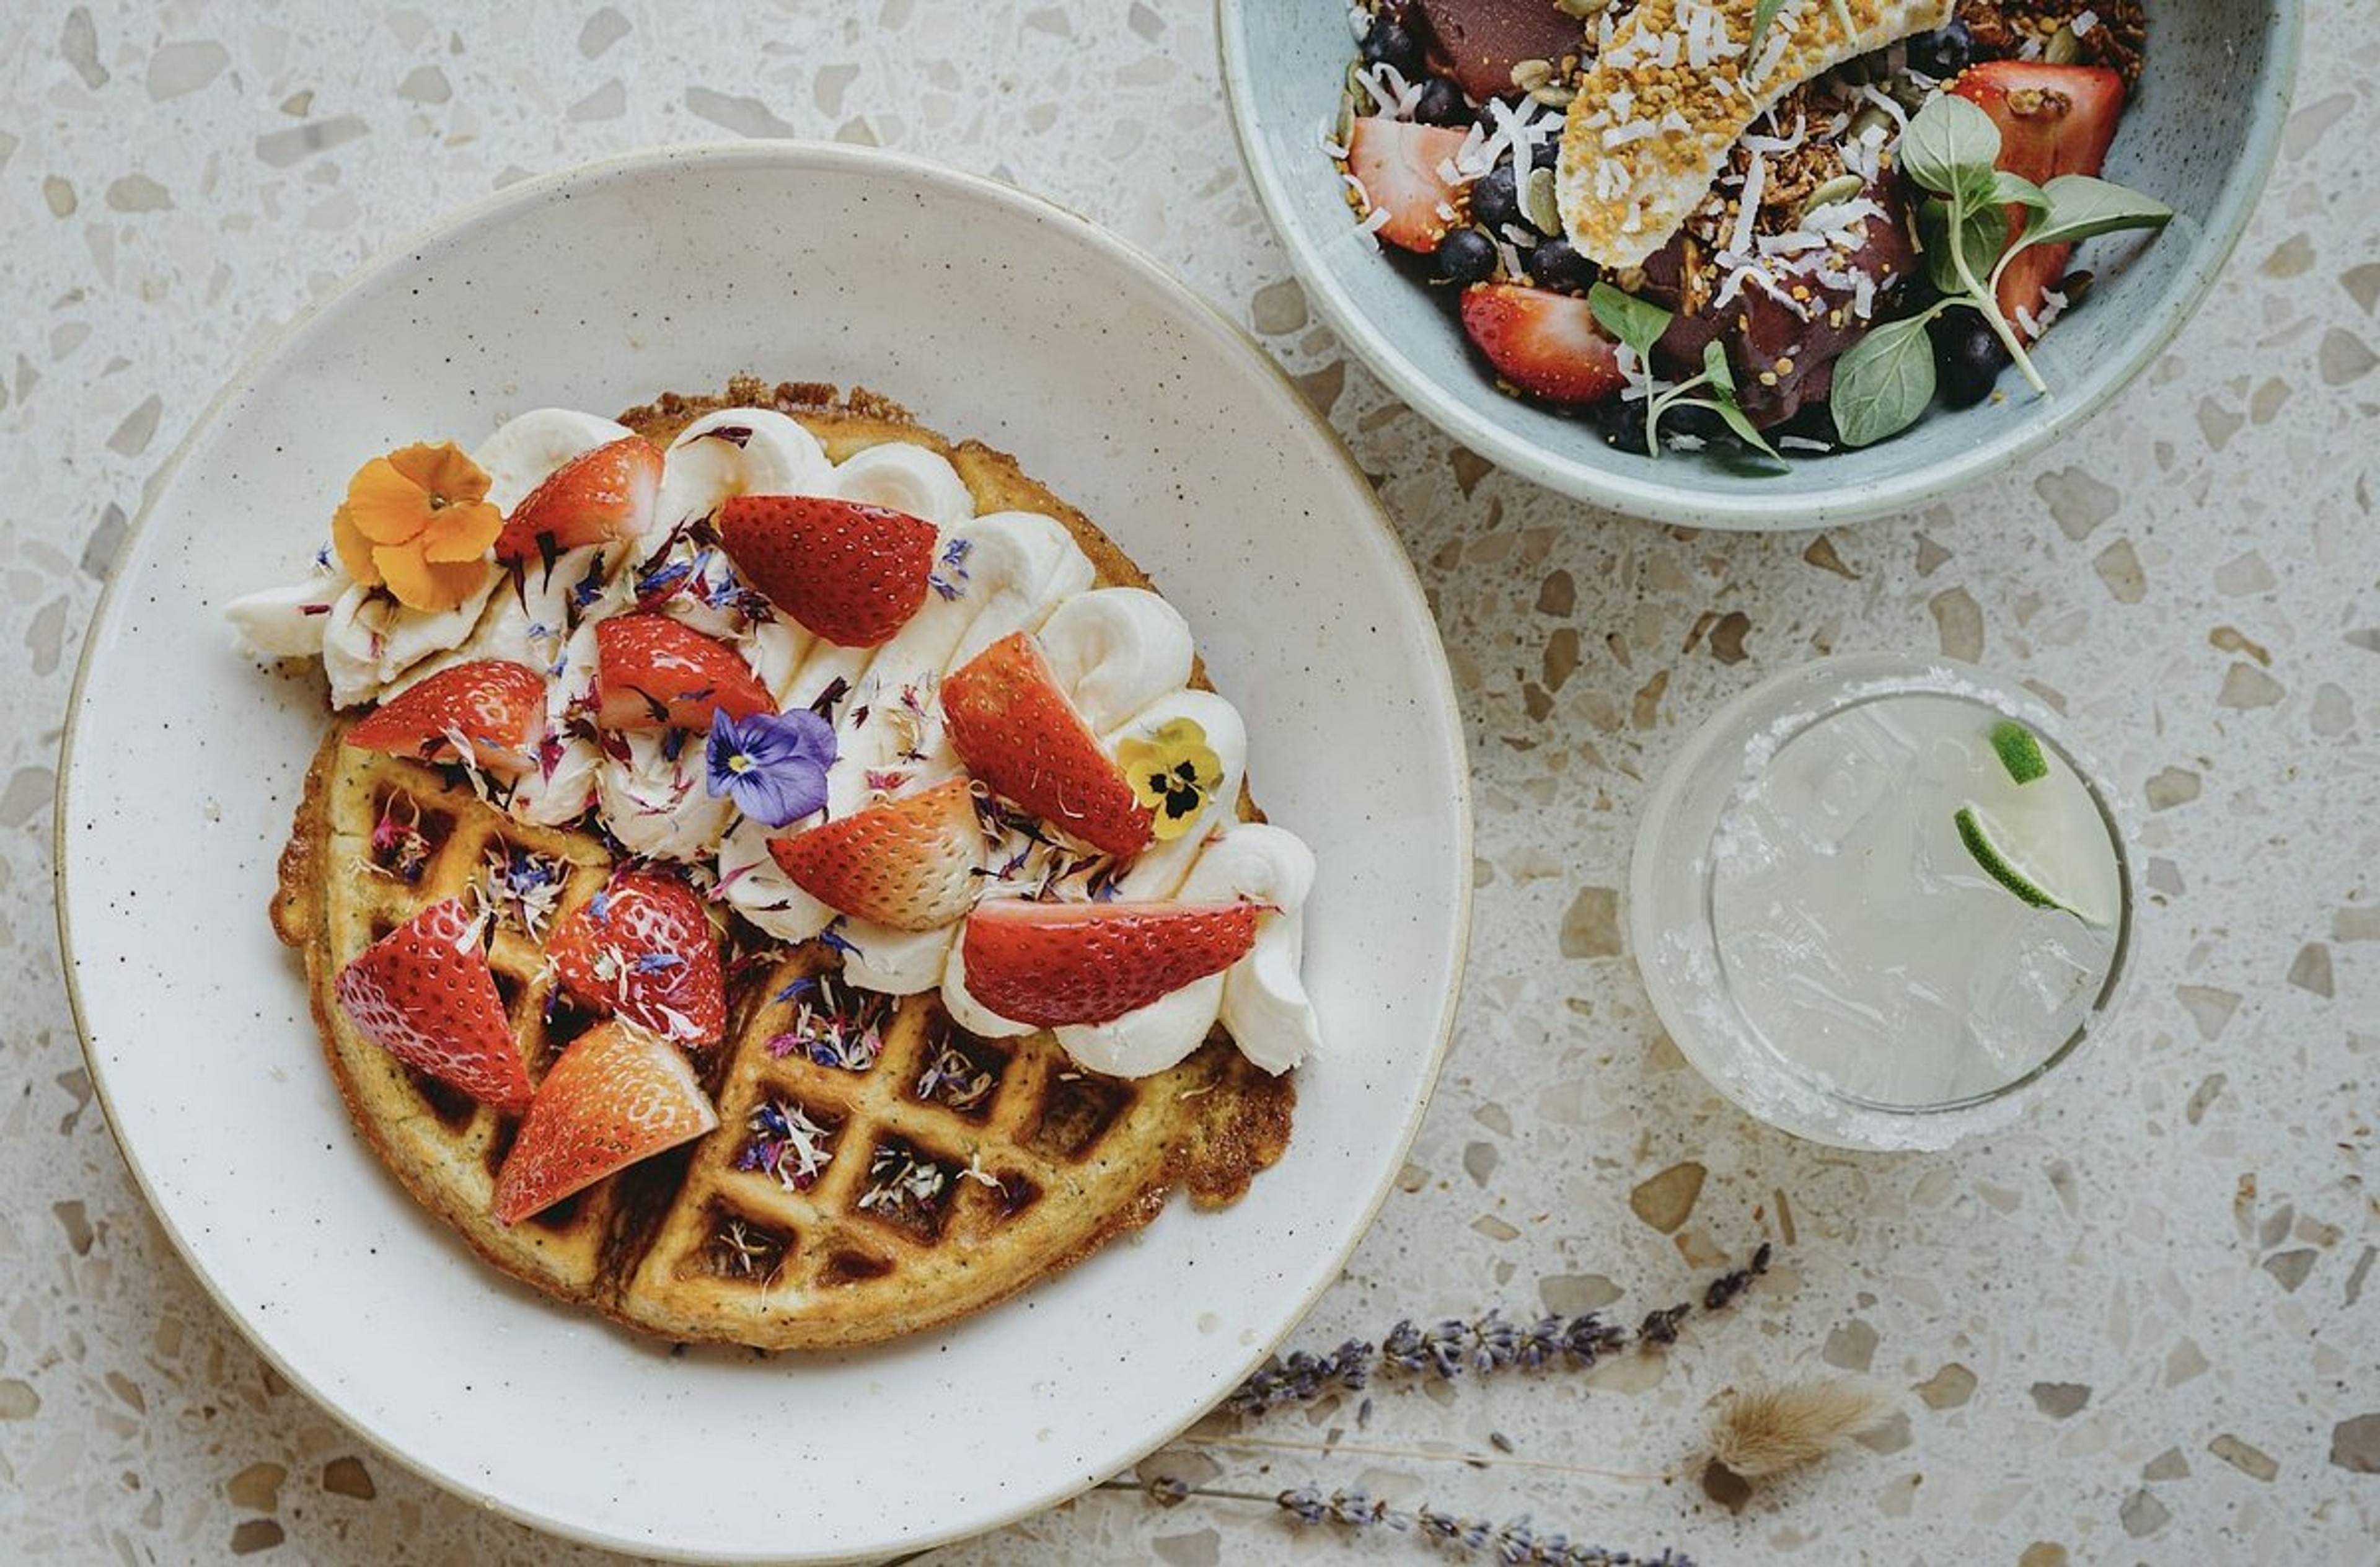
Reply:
x=1104, y=244
x=1655, y=502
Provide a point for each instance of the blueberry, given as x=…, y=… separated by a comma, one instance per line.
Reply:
x=1968, y=356
x=1465, y=256
x=1441, y=103
x=1690, y=418
x=1389, y=44
x=1622, y=423
x=1557, y=264
x=1545, y=154
x=1496, y=199
x=1943, y=53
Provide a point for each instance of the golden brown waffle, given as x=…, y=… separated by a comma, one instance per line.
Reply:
x=948, y=1172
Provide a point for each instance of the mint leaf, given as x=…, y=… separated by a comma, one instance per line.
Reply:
x=1883, y=381
x=1951, y=146
x=1637, y=322
x=2075, y=206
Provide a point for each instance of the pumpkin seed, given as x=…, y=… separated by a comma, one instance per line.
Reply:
x=1537, y=201
x=1584, y=10
x=1345, y=131
x=1842, y=188
x=1530, y=74
x=1870, y=117
x=1554, y=95
x=2064, y=48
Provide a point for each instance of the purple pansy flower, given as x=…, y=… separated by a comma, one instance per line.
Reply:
x=772, y=765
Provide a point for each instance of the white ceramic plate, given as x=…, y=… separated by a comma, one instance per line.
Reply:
x=993, y=315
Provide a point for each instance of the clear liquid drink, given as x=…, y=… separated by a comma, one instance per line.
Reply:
x=1875, y=898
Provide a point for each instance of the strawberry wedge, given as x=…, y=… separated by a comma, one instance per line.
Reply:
x=1052, y=965
x=853, y=574
x=1019, y=732
x=497, y=707
x=644, y=948
x=653, y=673
x=616, y=1096
x=1542, y=342
x=910, y=864
x=599, y=496
x=2053, y=120
x=1403, y=168
x=424, y=993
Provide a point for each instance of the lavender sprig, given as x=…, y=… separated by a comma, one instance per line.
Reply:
x=1481, y=1346
x=1515, y=1544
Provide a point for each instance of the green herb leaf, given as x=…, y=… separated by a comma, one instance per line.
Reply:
x=1740, y=423
x=2014, y=189
x=2075, y=206
x=1883, y=381
x=1981, y=234
x=1950, y=145
x=1761, y=17
x=1637, y=322
x=1715, y=366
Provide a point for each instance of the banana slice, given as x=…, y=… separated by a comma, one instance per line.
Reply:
x=1671, y=91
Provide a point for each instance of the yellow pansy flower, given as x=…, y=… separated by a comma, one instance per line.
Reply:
x=1173, y=772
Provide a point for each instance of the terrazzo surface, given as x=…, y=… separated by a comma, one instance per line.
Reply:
x=2143, y=1327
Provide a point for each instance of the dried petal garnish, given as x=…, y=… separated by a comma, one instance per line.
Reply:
x=899, y=1180
x=524, y=884
x=398, y=845
x=787, y=1144
x=1173, y=772
x=834, y=1026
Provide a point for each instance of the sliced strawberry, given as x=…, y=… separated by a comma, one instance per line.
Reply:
x=1402, y=169
x=854, y=574
x=1049, y=965
x=605, y=493
x=424, y=993
x=617, y=1096
x=498, y=708
x=2053, y=120
x=909, y=864
x=1017, y=732
x=654, y=673
x=1546, y=344
x=644, y=948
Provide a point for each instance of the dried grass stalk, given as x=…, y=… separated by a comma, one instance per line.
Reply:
x=1759, y=1432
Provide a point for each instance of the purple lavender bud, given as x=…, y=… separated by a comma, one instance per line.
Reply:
x=1305, y=1504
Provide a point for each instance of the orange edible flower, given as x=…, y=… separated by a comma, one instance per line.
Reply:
x=419, y=521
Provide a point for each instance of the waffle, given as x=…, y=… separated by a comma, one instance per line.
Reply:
x=877, y=1170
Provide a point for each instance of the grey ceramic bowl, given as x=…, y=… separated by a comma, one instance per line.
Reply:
x=2200, y=135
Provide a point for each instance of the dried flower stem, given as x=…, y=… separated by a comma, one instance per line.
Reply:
x=1471, y=1460
x=1514, y=1544
x=1487, y=1345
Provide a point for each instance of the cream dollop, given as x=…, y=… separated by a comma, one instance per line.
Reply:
x=738, y=452
x=523, y=452
x=288, y=622
x=907, y=478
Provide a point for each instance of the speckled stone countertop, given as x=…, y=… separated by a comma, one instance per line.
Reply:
x=2144, y=1327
